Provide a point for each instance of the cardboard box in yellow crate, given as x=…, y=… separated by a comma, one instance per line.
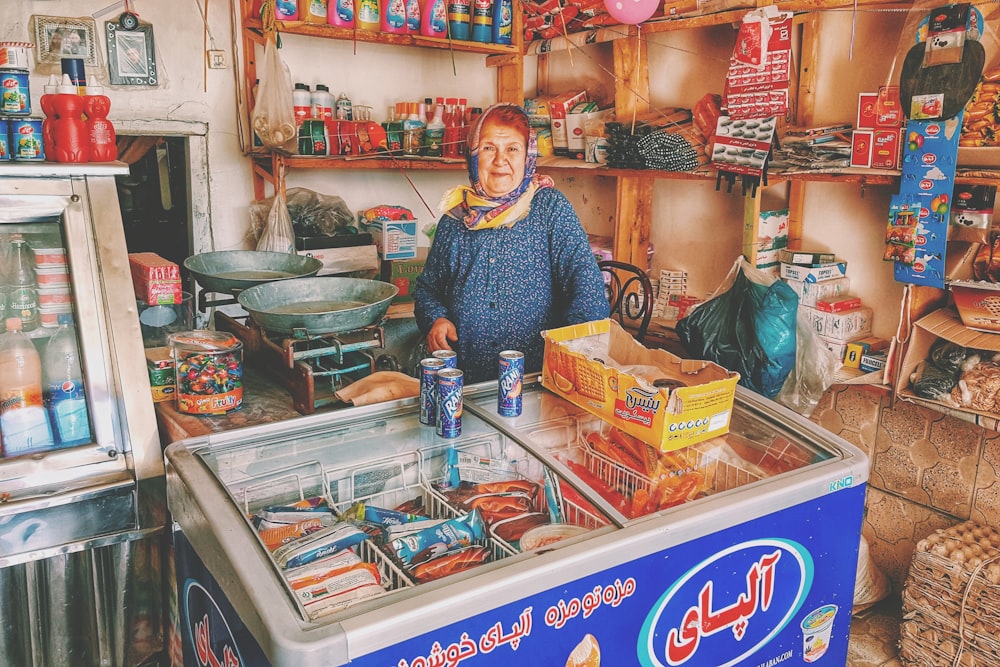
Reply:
x=669, y=403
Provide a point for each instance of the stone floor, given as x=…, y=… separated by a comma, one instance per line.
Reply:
x=874, y=638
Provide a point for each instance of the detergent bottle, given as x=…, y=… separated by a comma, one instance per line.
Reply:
x=459, y=18
x=340, y=13
x=482, y=21
x=286, y=10
x=393, y=17
x=413, y=17
x=434, y=19
x=503, y=21
x=368, y=15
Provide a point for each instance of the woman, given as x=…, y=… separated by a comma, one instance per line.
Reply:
x=509, y=258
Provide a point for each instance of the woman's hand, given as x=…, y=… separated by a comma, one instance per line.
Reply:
x=442, y=331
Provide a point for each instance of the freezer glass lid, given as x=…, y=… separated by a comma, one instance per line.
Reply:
x=394, y=502
x=637, y=479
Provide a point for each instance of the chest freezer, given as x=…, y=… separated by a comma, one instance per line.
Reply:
x=754, y=565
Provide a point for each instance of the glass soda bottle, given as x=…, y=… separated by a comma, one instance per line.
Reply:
x=63, y=390
x=22, y=294
x=23, y=421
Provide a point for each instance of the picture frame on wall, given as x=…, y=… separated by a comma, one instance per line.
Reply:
x=58, y=37
x=131, y=55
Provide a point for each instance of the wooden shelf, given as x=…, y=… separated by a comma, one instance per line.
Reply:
x=371, y=37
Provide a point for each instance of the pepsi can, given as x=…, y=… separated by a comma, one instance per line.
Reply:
x=509, y=383
x=449, y=401
x=449, y=357
x=428, y=390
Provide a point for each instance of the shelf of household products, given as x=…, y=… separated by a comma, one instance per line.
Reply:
x=254, y=27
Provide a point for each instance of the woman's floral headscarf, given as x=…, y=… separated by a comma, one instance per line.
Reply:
x=477, y=209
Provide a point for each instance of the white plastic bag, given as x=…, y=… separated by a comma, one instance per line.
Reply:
x=812, y=375
x=277, y=234
x=273, y=117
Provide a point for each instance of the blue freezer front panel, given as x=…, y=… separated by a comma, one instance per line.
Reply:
x=777, y=589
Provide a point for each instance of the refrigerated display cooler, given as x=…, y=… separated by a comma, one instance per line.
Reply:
x=82, y=522
x=752, y=564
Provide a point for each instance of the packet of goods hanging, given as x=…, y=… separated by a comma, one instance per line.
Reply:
x=273, y=116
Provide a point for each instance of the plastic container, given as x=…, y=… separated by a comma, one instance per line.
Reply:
x=316, y=11
x=23, y=420
x=482, y=21
x=302, y=102
x=503, y=22
x=459, y=19
x=70, y=131
x=434, y=133
x=322, y=103
x=63, y=391
x=413, y=17
x=392, y=16
x=50, y=90
x=158, y=322
x=286, y=10
x=368, y=16
x=208, y=371
x=100, y=131
x=340, y=13
x=434, y=18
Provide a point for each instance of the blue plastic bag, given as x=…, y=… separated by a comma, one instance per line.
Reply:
x=748, y=328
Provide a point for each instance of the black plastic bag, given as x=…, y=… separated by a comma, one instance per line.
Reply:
x=748, y=328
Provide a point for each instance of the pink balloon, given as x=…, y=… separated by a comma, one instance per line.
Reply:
x=631, y=11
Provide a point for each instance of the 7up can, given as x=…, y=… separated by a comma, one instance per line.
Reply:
x=449, y=404
x=509, y=383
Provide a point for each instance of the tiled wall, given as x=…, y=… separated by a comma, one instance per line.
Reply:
x=928, y=470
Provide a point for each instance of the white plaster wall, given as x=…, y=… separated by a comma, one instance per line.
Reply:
x=373, y=75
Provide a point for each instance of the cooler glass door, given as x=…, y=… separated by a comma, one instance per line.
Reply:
x=71, y=480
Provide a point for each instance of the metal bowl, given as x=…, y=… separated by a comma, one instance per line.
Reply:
x=230, y=271
x=320, y=305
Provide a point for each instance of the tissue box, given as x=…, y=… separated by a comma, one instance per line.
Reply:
x=395, y=239
x=697, y=409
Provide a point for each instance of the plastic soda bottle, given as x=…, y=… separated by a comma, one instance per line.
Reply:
x=23, y=421
x=22, y=291
x=64, y=391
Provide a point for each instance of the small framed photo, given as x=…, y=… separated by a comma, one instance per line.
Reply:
x=58, y=37
x=131, y=55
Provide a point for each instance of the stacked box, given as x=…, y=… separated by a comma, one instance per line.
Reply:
x=160, y=366
x=403, y=273
x=842, y=327
x=811, y=293
x=559, y=108
x=156, y=281
x=813, y=274
x=857, y=349
x=671, y=285
x=761, y=246
x=395, y=239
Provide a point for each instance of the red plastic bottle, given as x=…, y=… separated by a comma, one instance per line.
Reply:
x=100, y=131
x=48, y=125
x=70, y=132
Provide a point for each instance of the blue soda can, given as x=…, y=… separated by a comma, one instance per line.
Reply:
x=428, y=390
x=449, y=357
x=509, y=383
x=449, y=395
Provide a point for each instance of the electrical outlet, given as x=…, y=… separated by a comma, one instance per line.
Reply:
x=217, y=59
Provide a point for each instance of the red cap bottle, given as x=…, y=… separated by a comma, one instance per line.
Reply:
x=70, y=132
x=101, y=132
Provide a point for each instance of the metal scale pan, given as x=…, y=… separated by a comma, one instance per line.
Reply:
x=318, y=306
x=232, y=271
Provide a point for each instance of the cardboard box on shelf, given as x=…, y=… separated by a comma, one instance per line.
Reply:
x=810, y=293
x=395, y=239
x=813, y=274
x=403, y=273
x=856, y=349
x=861, y=148
x=697, y=407
x=812, y=258
x=887, y=148
x=843, y=327
x=978, y=304
x=575, y=140
x=838, y=304
x=943, y=323
x=156, y=281
x=559, y=107
x=867, y=111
